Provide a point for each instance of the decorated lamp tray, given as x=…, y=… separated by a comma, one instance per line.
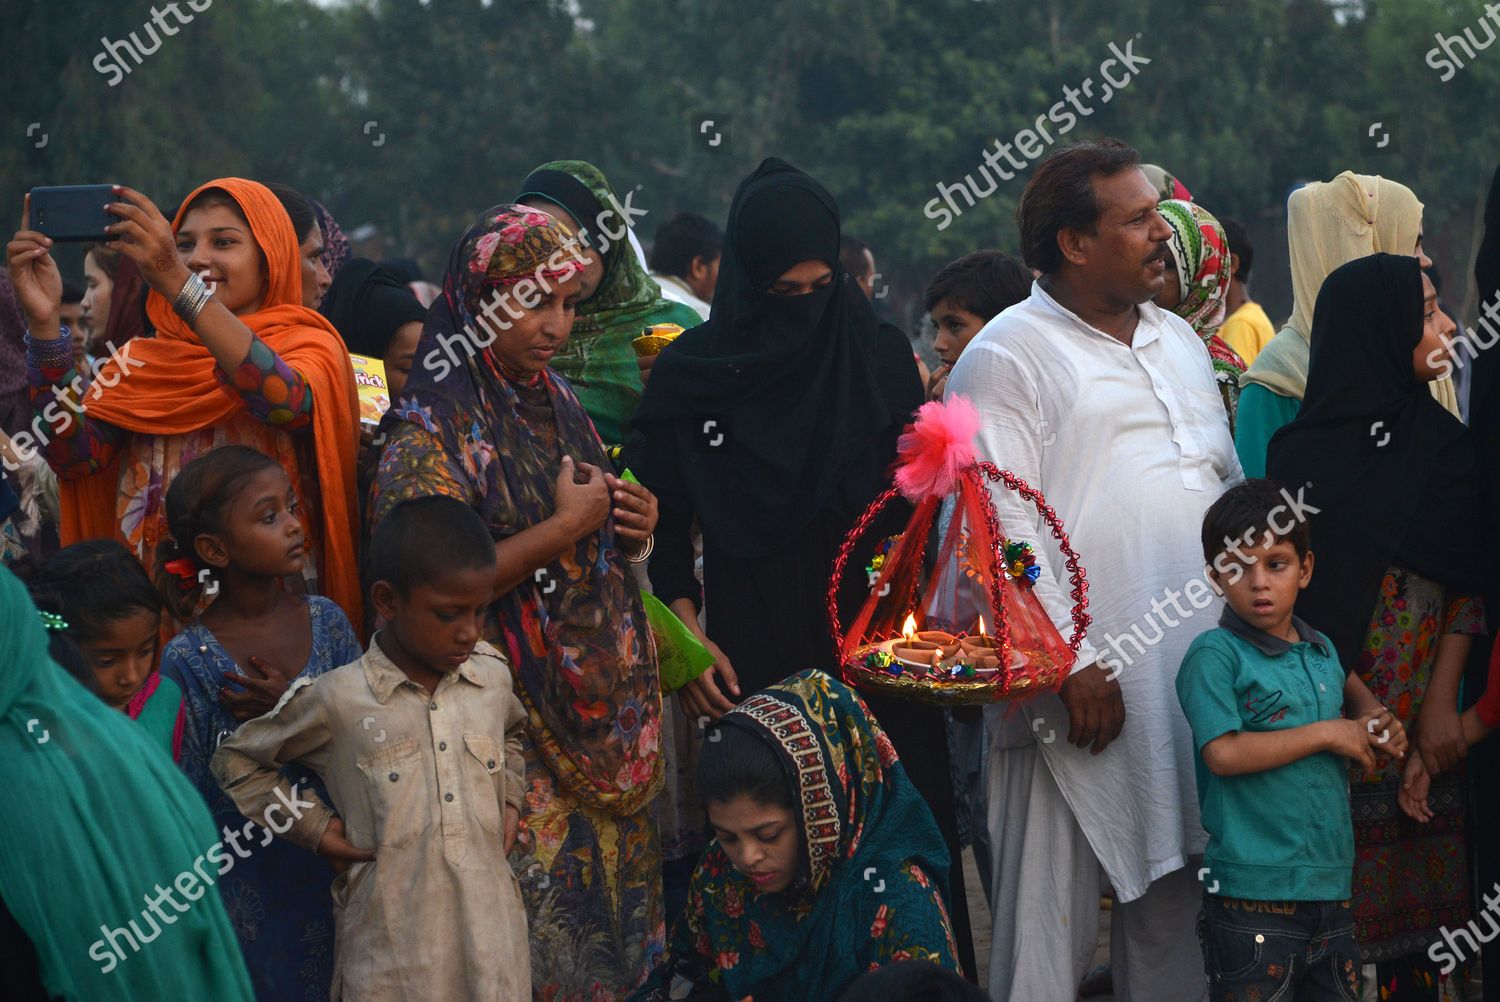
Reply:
x=954, y=573
x=958, y=679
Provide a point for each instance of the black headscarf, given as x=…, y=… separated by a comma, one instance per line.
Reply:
x=790, y=380
x=566, y=191
x=368, y=304
x=1391, y=471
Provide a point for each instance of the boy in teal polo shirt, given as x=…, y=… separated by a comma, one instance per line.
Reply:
x=1265, y=695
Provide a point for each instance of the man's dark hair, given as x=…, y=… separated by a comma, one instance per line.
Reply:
x=1239, y=244
x=1060, y=196
x=72, y=293
x=852, y=256
x=912, y=981
x=680, y=239
x=985, y=283
x=1247, y=508
x=418, y=540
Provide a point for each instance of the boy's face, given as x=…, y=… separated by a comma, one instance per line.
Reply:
x=956, y=327
x=437, y=623
x=1261, y=582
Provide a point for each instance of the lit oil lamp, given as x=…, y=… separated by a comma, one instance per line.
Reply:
x=981, y=649
x=912, y=650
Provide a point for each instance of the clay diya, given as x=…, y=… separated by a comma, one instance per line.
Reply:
x=946, y=642
x=913, y=651
x=981, y=645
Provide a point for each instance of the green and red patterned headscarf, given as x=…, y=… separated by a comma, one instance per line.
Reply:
x=598, y=359
x=1201, y=252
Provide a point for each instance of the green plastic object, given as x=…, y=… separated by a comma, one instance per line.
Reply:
x=679, y=656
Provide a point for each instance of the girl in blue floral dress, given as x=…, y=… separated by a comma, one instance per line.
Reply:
x=236, y=536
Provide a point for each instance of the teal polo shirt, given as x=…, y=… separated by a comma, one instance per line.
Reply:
x=1284, y=834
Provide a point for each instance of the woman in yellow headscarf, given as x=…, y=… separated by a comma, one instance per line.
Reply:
x=1329, y=224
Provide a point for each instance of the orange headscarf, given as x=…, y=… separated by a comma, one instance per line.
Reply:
x=168, y=388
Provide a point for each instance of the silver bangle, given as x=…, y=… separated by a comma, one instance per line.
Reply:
x=190, y=301
x=641, y=557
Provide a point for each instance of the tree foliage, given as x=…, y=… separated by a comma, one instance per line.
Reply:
x=881, y=99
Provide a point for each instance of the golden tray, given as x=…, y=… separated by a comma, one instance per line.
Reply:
x=655, y=339
x=1040, y=676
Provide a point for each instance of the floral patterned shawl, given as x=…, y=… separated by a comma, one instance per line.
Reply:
x=576, y=634
x=875, y=868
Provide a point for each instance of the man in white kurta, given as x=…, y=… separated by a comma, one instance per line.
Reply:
x=1128, y=440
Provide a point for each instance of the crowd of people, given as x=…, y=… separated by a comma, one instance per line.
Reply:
x=301, y=708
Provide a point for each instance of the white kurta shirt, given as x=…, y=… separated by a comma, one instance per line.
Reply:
x=1130, y=445
x=678, y=291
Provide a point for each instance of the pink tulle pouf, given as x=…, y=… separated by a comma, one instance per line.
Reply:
x=936, y=449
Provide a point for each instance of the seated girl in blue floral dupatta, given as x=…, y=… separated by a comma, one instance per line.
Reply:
x=826, y=862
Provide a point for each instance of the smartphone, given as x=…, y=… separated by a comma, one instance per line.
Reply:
x=73, y=213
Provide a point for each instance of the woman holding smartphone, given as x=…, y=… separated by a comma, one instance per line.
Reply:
x=237, y=359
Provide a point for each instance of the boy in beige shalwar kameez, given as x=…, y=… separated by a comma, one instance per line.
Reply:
x=419, y=747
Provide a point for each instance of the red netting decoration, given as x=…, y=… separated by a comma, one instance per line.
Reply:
x=952, y=617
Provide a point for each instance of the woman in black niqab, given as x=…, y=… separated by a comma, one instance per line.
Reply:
x=772, y=426
x=1392, y=474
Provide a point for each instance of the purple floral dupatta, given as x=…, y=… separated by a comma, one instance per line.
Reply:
x=576, y=634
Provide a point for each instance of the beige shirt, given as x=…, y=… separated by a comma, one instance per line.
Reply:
x=424, y=780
